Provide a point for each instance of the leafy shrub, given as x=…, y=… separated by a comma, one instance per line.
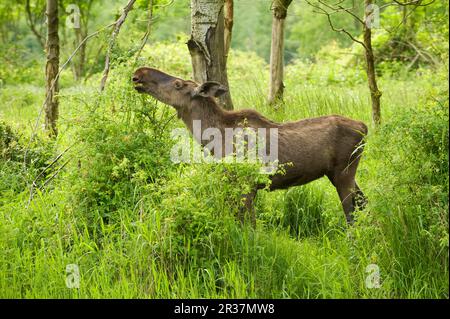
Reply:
x=19, y=66
x=408, y=202
x=200, y=205
x=415, y=40
x=124, y=146
x=20, y=161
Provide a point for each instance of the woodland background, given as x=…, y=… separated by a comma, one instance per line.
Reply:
x=103, y=194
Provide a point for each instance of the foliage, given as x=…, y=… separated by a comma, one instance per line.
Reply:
x=139, y=226
x=409, y=202
x=15, y=70
x=125, y=145
x=309, y=32
x=333, y=65
x=413, y=35
x=21, y=162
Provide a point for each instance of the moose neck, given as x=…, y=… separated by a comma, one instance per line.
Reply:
x=204, y=110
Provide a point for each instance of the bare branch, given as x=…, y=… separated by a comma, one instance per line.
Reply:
x=115, y=33
x=54, y=174
x=341, y=8
x=32, y=24
x=33, y=184
x=330, y=22
x=422, y=53
x=150, y=19
x=147, y=32
x=33, y=132
x=413, y=2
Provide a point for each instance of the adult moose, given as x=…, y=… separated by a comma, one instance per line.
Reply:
x=324, y=146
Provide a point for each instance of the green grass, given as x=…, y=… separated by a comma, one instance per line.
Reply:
x=177, y=237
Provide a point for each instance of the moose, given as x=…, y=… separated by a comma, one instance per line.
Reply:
x=324, y=146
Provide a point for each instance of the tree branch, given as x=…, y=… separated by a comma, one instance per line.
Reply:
x=115, y=33
x=413, y=2
x=147, y=32
x=33, y=132
x=32, y=24
x=330, y=22
x=33, y=184
x=341, y=8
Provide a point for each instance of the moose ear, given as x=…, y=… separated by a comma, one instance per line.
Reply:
x=210, y=88
x=178, y=84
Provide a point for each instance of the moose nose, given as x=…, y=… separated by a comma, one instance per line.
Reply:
x=135, y=79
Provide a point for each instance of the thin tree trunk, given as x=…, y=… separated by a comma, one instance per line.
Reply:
x=228, y=16
x=78, y=67
x=80, y=33
x=375, y=93
x=51, y=68
x=207, y=45
x=276, y=87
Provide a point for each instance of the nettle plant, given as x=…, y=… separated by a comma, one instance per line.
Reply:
x=124, y=147
x=199, y=205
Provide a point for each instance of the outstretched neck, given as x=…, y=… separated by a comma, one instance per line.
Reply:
x=204, y=112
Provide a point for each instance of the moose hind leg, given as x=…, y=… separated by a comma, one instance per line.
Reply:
x=346, y=194
x=345, y=184
x=359, y=199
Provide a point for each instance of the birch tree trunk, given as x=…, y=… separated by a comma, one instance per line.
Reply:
x=207, y=45
x=276, y=87
x=51, y=68
x=375, y=93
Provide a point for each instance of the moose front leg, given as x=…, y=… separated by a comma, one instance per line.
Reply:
x=248, y=208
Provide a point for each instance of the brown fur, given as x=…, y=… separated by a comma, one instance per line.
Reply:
x=323, y=146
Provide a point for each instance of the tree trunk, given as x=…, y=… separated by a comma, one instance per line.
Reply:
x=228, y=16
x=79, y=62
x=51, y=68
x=277, y=51
x=81, y=32
x=375, y=93
x=207, y=45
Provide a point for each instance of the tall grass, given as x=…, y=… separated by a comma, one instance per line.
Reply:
x=138, y=226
